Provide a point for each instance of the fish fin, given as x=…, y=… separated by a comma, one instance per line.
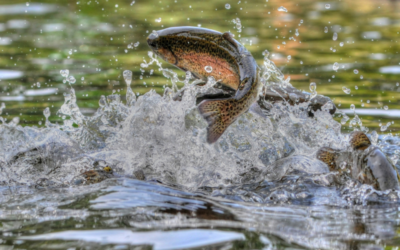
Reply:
x=228, y=37
x=219, y=114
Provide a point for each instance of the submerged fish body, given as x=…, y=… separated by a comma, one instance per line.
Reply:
x=206, y=53
x=365, y=163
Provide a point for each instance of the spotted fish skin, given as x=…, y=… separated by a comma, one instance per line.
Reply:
x=192, y=49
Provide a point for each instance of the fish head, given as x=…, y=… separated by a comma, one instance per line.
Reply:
x=161, y=47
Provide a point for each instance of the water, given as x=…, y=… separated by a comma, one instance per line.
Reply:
x=259, y=186
x=66, y=71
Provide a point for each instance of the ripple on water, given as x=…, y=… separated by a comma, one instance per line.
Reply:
x=6, y=74
x=178, y=239
x=394, y=69
x=32, y=9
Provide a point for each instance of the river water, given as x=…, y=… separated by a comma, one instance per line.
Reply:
x=259, y=187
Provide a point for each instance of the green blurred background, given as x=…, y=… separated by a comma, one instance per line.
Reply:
x=96, y=40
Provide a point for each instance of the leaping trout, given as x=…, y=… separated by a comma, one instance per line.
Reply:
x=199, y=50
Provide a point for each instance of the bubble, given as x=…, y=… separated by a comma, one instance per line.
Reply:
x=397, y=84
x=301, y=62
x=282, y=9
x=289, y=57
x=133, y=2
x=227, y=6
x=353, y=107
x=208, y=69
x=326, y=29
x=346, y=90
x=355, y=71
x=327, y=6
x=297, y=32
x=361, y=77
x=158, y=20
x=356, y=87
x=341, y=44
x=385, y=107
x=127, y=74
x=71, y=79
x=64, y=72
x=38, y=84
x=335, y=66
x=334, y=38
x=136, y=44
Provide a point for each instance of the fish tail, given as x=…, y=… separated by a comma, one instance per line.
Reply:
x=219, y=114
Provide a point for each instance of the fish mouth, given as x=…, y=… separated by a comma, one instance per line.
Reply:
x=152, y=41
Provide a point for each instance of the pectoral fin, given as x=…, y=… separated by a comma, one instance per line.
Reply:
x=219, y=114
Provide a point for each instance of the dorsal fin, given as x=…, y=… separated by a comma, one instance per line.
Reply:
x=228, y=37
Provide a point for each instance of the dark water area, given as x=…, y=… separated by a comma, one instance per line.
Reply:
x=259, y=187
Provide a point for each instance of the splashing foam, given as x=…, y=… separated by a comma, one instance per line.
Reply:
x=166, y=139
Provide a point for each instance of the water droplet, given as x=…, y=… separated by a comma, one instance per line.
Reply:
x=40, y=122
x=346, y=90
x=327, y=6
x=297, y=32
x=353, y=107
x=335, y=66
x=326, y=29
x=334, y=38
x=38, y=84
x=27, y=4
x=127, y=74
x=46, y=113
x=227, y=6
x=397, y=84
x=64, y=72
x=356, y=87
x=385, y=107
x=301, y=62
x=313, y=86
x=289, y=57
x=158, y=20
x=208, y=69
x=341, y=44
x=265, y=54
x=136, y=44
x=361, y=77
x=355, y=71
x=71, y=79
x=154, y=34
x=282, y=9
